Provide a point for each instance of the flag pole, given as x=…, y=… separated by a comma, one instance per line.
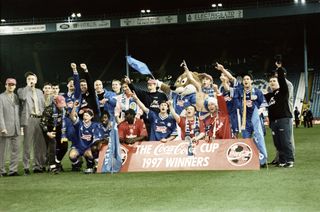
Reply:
x=127, y=54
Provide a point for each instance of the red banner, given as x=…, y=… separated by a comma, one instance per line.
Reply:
x=224, y=154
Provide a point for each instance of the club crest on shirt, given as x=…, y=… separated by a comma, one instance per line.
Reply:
x=133, y=106
x=254, y=97
x=180, y=103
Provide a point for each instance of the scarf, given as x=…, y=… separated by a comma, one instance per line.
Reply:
x=196, y=128
x=214, y=124
x=244, y=112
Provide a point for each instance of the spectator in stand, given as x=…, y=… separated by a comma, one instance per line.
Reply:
x=132, y=129
x=162, y=125
x=296, y=117
x=280, y=117
x=9, y=128
x=32, y=100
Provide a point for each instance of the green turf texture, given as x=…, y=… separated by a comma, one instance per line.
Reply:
x=273, y=189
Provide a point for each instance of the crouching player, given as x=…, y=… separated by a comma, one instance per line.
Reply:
x=87, y=133
x=105, y=129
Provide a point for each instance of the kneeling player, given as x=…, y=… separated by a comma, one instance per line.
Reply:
x=105, y=128
x=87, y=133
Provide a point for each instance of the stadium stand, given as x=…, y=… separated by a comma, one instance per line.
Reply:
x=315, y=96
x=299, y=91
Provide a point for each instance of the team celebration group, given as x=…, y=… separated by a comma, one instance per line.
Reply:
x=87, y=116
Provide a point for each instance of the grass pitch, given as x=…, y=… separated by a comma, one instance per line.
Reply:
x=273, y=189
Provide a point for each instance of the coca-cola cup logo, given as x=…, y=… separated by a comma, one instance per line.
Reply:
x=239, y=154
x=163, y=149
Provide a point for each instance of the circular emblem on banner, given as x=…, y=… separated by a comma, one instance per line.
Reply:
x=123, y=154
x=64, y=26
x=239, y=154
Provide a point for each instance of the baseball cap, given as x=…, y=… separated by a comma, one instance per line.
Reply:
x=59, y=101
x=11, y=81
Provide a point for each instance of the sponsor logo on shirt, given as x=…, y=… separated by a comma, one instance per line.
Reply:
x=162, y=129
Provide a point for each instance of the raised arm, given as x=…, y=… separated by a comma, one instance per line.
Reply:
x=173, y=112
x=76, y=81
x=73, y=114
x=225, y=72
x=140, y=93
x=140, y=104
x=92, y=100
x=190, y=77
x=224, y=83
x=283, y=87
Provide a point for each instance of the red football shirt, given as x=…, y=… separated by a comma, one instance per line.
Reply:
x=220, y=121
x=134, y=130
x=192, y=126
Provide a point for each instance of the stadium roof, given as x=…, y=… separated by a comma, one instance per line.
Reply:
x=19, y=9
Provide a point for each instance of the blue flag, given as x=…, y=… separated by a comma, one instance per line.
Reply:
x=139, y=66
x=258, y=136
x=112, y=160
